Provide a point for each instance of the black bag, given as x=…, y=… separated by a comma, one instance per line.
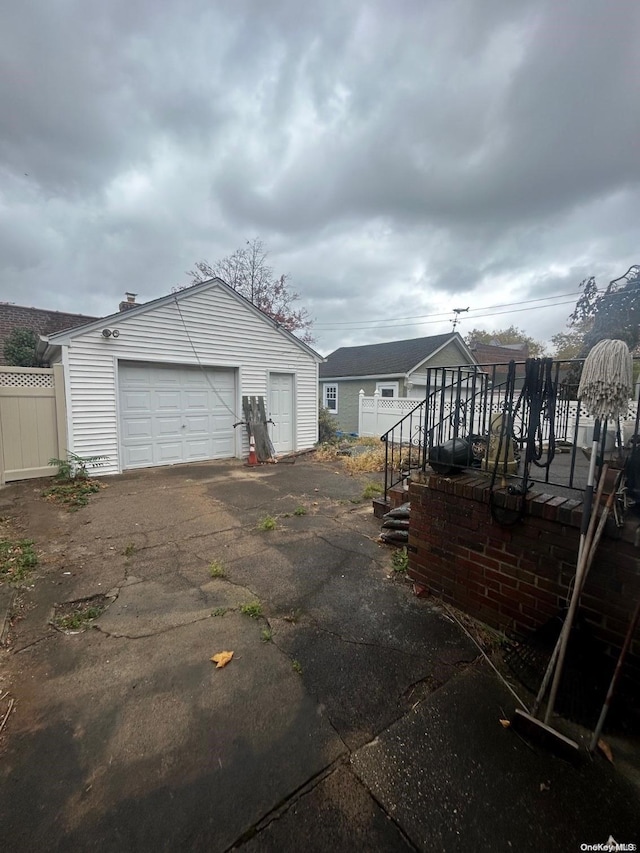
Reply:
x=450, y=457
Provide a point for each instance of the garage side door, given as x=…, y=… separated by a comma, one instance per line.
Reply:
x=281, y=411
x=172, y=414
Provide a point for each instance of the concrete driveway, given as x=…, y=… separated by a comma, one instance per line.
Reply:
x=334, y=725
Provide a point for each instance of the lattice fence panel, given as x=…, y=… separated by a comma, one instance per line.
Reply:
x=9, y=379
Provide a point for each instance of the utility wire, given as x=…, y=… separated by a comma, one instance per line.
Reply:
x=383, y=324
x=448, y=313
x=201, y=365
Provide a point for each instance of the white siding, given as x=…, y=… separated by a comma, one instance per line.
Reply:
x=224, y=333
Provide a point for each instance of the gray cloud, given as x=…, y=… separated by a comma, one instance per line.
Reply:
x=397, y=158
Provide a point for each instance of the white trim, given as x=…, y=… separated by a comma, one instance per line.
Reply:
x=240, y=429
x=116, y=385
x=67, y=392
x=395, y=386
x=122, y=316
x=294, y=407
x=463, y=347
x=325, y=386
x=231, y=365
x=397, y=376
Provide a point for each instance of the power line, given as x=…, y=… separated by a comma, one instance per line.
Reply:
x=380, y=324
x=447, y=313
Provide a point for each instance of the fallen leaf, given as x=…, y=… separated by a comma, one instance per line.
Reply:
x=505, y=723
x=222, y=659
x=605, y=749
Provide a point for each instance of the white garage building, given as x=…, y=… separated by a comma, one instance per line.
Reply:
x=162, y=382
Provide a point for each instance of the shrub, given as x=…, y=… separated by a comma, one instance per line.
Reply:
x=327, y=427
x=20, y=348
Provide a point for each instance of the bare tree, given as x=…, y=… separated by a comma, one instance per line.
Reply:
x=247, y=271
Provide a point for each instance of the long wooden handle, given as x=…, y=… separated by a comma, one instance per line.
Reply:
x=585, y=541
x=587, y=558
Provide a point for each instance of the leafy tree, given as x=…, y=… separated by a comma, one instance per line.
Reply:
x=20, y=348
x=247, y=271
x=510, y=335
x=610, y=314
x=570, y=344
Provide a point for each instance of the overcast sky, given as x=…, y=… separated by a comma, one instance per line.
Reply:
x=399, y=159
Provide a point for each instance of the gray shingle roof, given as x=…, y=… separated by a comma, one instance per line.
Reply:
x=395, y=357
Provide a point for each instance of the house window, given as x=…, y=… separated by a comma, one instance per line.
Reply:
x=387, y=389
x=330, y=398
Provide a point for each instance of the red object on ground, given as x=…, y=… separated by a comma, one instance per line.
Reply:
x=253, y=459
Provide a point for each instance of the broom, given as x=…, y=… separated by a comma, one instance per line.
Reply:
x=605, y=388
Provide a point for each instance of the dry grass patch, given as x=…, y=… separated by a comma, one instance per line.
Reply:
x=365, y=463
x=326, y=452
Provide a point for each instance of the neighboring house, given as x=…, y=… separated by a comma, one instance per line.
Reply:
x=394, y=369
x=38, y=320
x=500, y=355
x=162, y=382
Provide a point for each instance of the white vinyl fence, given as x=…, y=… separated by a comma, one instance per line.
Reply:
x=377, y=415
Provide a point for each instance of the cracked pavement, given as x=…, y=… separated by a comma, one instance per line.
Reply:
x=126, y=737
x=353, y=716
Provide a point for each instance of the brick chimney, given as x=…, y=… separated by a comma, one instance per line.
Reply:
x=130, y=302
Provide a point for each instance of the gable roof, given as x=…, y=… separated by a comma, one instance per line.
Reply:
x=39, y=320
x=496, y=354
x=143, y=307
x=388, y=359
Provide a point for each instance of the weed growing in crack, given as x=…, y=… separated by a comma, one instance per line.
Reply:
x=219, y=611
x=297, y=666
x=293, y=616
x=267, y=523
x=72, y=493
x=253, y=609
x=371, y=490
x=300, y=510
x=16, y=559
x=216, y=569
x=400, y=561
x=130, y=550
x=266, y=635
x=79, y=617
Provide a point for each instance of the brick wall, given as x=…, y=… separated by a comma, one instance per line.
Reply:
x=39, y=320
x=516, y=577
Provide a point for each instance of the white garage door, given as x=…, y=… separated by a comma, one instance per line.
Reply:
x=174, y=414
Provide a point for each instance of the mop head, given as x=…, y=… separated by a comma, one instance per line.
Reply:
x=606, y=384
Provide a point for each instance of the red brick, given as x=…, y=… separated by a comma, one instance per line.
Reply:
x=551, y=508
x=500, y=577
x=566, y=511
x=536, y=505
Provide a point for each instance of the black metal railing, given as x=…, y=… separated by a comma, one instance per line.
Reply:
x=460, y=402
